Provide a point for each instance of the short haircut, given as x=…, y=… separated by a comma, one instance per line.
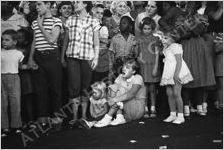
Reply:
x=134, y=64
x=107, y=13
x=128, y=18
x=131, y=23
x=64, y=3
x=100, y=5
x=147, y=21
x=12, y=33
x=27, y=35
x=89, y=5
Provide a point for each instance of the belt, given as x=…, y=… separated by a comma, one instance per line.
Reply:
x=47, y=52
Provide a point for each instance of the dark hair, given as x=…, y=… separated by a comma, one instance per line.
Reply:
x=131, y=23
x=12, y=33
x=147, y=21
x=64, y=3
x=100, y=5
x=51, y=2
x=27, y=36
x=171, y=3
x=134, y=64
x=107, y=13
x=89, y=5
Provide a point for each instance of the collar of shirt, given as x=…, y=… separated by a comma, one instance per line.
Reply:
x=130, y=79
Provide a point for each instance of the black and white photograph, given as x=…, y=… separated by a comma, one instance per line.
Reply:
x=111, y=74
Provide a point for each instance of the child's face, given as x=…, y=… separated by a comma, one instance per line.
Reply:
x=21, y=38
x=166, y=40
x=66, y=11
x=42, y=7
x=106, y=21
x=99, y=13
x=54, y=9
x=127, y=71
x=147, y=29
x=8, y=42
x=124, y=25
x=97, y=93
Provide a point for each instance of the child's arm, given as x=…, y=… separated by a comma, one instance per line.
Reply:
x=50, y=37
x=65, y=46
x=156, y=66
x=96, y=42
x=127, y=96
x=31, y=61
x=178, y=67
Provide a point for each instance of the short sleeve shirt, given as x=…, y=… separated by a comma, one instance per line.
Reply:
x=81, y=37
x=41, y=43
x=135, y=79
x=10, y=60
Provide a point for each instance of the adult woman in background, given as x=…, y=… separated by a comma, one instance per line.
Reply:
x=151, y=12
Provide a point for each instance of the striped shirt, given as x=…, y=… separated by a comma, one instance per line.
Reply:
x=41, y=42
x=81, y=34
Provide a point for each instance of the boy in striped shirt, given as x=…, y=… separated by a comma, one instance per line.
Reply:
x=44, y=57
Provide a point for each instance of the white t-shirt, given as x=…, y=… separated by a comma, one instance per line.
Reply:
x=135, y=79
x=10, y=60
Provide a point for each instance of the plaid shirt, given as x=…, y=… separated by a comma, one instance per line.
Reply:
x=81, y=31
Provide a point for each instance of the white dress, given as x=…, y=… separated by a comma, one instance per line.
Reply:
x=170, y=66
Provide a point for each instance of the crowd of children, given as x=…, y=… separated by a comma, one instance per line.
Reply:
x=110, y=58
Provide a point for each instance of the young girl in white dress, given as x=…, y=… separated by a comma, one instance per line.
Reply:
x=175, y=74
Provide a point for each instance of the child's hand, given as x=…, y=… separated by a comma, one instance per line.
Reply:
x=176, y=79
x=40, y=20
x=111, y=101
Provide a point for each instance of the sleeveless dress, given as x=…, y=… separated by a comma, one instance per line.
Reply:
x=170, y=66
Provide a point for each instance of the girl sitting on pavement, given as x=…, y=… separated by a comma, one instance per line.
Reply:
x=133, y=100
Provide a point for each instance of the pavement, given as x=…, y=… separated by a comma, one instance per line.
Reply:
x=196, y=133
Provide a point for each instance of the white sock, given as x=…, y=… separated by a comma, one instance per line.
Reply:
x=153, y=108
x=173, y=113
x=108, y=116
x=181, y=115
x=120, y=116
x=199, y=108
x=204, y=105
x=187, y=109
x=146, y=109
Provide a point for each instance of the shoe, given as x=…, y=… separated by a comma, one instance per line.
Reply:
x=18, y=131
x=170, y=118
x=32, y=125
x=5, y=132
x=119, y=120
x=86, y=124
x=103, y=122
x=179, y=120
x=56, y=120
x=153, y=114
x=186, y=111
x=201, y=113
x=146, y=115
